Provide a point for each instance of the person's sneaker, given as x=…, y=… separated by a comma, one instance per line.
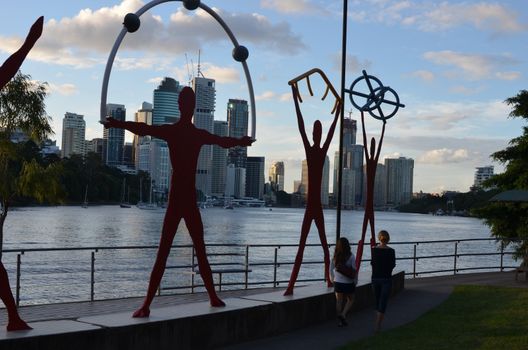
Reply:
x=341, y=321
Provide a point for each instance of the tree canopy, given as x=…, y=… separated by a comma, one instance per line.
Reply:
x=509, y=220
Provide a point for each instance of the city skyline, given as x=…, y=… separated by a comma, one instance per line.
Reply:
x=452, y=64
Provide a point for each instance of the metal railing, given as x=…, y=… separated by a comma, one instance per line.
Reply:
x=125, y=269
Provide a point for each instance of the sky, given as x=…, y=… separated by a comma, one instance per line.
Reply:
x=452, y=63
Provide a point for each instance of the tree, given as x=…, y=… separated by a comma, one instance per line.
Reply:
x=508, y=220
x=22, y=109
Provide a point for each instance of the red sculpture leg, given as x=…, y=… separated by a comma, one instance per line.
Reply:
x=319, y=222
x=307, y=221
x=170, y=225
x=195, y=226
x=14, y=323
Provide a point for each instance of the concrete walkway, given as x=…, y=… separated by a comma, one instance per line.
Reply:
x=418, y=297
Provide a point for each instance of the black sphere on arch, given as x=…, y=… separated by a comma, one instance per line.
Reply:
x=191, y=4
x=240, y=53
x=131, y=22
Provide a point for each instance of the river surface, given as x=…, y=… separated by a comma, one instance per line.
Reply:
x=56, y=276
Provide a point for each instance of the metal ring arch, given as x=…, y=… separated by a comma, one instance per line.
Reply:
x=120, y=37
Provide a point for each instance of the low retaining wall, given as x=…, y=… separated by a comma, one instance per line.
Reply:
x=192, y=326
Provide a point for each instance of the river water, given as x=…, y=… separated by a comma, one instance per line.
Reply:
x=57, y=276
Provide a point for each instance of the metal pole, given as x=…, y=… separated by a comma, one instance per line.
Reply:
x=19, y=262
x=192, y=269
x=343, y=75
x=247, y=266
x=275, y=269
x=502, y=257
x=455, y=259
x=414, y=262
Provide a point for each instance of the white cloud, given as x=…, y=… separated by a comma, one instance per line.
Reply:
x=424, y=75
x=444, y=155
x=293, y=6
x=464, y=90
x=63, y=89
x=353, y=63
x=508, y=75
x=222, y=75
x=266, y=96
x=473, y=66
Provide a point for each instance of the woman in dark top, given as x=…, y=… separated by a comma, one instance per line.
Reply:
x=383, y=261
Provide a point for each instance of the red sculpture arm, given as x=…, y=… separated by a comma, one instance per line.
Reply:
x=332, y=128
x=13, y=63
x=300, y=120
x=225, y=142
x=380, y=142
x=140, y=129
x=365, y=149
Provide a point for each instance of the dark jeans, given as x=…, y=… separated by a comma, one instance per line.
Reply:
x=382, y=290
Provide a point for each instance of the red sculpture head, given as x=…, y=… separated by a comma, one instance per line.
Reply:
x=186, y=103
x=317, y=132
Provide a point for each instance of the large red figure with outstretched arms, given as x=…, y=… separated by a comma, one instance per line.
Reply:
x=7, y=71
x=184, y=141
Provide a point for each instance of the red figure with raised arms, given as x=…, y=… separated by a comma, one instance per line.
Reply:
x=184, y=141
x=7, y=71
x=315, y=156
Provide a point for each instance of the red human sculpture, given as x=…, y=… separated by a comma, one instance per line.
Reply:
x=371, y=161
x=315, y=156
x=184, y=141
x=7, y=71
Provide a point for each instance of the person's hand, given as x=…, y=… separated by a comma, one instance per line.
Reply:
x=247, y=141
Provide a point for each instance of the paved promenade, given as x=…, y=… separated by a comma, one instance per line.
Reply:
x=419, y=296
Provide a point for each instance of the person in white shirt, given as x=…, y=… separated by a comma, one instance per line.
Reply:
x=344, y=277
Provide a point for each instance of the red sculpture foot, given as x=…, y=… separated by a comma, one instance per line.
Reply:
x=288, y=292
x=18, y=325
x=142, y=312
x=216, y=302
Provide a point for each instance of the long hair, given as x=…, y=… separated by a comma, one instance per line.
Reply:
x=342, y=251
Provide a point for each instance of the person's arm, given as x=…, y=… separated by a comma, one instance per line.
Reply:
x=10, y=67
x=300, y=120
x=332, y=129
x=140, y=129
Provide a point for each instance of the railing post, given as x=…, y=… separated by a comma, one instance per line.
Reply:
x=17, y=292
x=275, y=268
x=502, y=257
x=455, y=259
x=220, y=281
x=247, y=267
x=414, y=261
x=92, y=279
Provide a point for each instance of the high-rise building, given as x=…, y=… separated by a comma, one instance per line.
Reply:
x=399, y=180
x=235, y=182
x=114, y=138
x=237, y=121
x=205, y=91
x=352, y=163
x=482, y=174
x=143, y=115
x=255, y=177
x=218, y=171
x=128, y=154
x=276, y=176
x=73, y=131
x=165, y=111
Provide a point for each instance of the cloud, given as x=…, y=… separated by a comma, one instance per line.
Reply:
x=353, y=63
x=473, y=66
x=266, y=96
x=464, y=90
x=508, y=75
x=424, y=75
x=444, y=155
x=293, y=6
x=223, y=75
x=86, y=39
x=435, y=17
x=63, y=89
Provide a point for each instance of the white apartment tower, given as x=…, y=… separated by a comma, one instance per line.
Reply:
x=482, y=174
x=276, y=176
x=73, y=133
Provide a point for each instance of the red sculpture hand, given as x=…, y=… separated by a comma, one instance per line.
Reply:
x=246, y=141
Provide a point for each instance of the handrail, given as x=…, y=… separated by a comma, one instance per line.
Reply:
x=258, y=265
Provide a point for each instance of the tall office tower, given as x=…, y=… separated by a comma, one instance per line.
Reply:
x=324, y=180
x=380, y=186
x=237, y=121
x=96, y=146
x=482, y=174
x=218, y=171
x=353, y=162
x=399, y=180
x=128, y=155
x=143, y=115
x=205, y=91
x=235, y=182
x=165, y=111
x=114, y=138
x=276, y=176
x=73, y=131
x=255, y=177
x=298, y=186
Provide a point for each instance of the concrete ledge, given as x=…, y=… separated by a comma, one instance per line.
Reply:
x=193, y=326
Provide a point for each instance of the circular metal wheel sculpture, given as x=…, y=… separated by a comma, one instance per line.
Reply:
x=132, y=23
x=376, y=95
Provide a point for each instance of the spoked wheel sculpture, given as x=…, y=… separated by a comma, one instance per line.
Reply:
x=368, y=94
